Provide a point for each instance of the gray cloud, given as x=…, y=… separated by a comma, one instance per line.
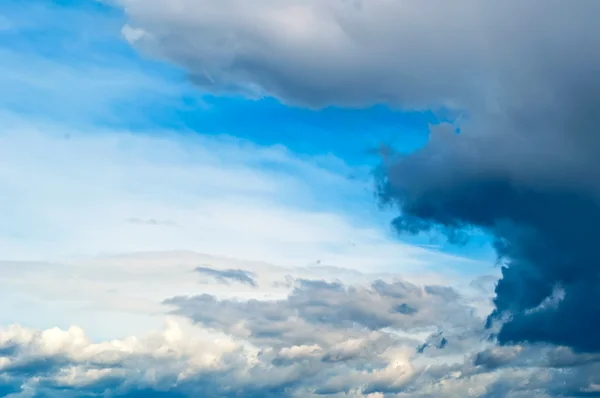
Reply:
x=336, y=308
x=531, y=182
x=463, y=54
x=228, y=275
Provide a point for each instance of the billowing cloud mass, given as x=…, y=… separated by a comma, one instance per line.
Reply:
x=315, y=336
x=524, y=169
x=378, y=336
x=411, y=53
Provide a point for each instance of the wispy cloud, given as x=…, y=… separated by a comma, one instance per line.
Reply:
x=228, y=275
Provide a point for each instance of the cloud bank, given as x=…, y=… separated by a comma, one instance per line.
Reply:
x=318, y=336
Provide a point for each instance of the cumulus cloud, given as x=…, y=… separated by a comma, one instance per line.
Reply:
x=46, y=362
x=320, y=331
x=316, y=341
x=319, y=340
x=528, y=177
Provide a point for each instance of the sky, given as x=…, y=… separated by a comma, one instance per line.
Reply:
x=299, y=198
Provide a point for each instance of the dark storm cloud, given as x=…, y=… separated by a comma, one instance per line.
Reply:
x=228, y=275
x=527, y=173
x=538, y=194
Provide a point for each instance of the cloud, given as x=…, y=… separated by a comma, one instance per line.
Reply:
x=330, y=304
x=228, y=275
x=314, y=341
x=323, y=330
x=529, y=181
x=56, y=360
x=319, y=339
x=336, y=52
x=128, y=289
x=524, y=167
x=360, y=323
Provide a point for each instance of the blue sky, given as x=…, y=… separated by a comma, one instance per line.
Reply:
x=66, y=64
